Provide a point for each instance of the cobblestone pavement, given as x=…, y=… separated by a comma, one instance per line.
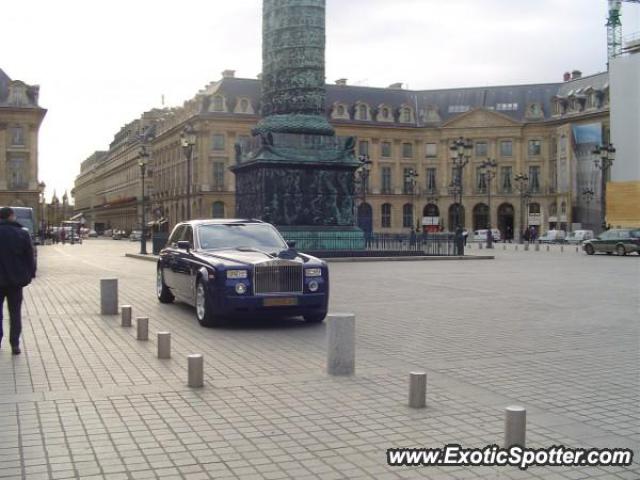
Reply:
x=554, y=332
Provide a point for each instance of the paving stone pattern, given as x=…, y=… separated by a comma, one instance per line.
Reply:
x=554, y=332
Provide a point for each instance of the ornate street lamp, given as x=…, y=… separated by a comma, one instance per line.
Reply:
x=411, y=180
x=460, y=154
x=607, y=156
x=362, y=173
x=588, y=194
x=489, y=170
x=143, y=158
x=522, y=185
x=188, y=141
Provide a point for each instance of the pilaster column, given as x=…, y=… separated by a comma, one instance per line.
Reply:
x=3, y=156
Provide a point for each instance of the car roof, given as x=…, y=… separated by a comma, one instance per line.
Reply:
x=221, y=221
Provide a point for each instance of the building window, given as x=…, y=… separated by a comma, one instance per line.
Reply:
x=218, y=104
x=244, y=105
x=385, y=113
x=17, y=136
x=455, y=176
x=534, y=179
x=407, y=150
x=505, y=179
x=386, y=149
x=535, y=147
x=506, y=148
x=431, y=180
x=481, y=180
x=363, y=147
x=217, y=142
x=386, y=180
x=431, y=150
x=217, y=210
x=481, y=149
x=386, y=215
x=218, y=175
x=553, y=176
x=363, y=112
x=340, y=110
x=17, y=172
x=409, y=179
x=407, y=216
x=406, y=116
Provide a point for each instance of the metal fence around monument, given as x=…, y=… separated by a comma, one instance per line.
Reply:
x=374, y=245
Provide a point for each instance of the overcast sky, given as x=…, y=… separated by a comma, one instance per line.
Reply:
x=100, y=64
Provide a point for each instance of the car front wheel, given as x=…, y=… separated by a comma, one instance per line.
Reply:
x=589, y=249
x=163, y=292
x=620, y=250
x=204, y=310
x=315, y=317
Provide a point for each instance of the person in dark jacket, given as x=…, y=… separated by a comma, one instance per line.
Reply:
x=17, y=269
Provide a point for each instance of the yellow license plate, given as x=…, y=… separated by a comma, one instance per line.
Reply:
x=280, y=302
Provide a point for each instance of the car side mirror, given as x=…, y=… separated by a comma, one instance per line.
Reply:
x=184, y=245
x=291, y=243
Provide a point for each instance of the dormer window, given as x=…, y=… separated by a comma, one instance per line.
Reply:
x=406, y=115
x=340, y=110
x=244, y=105
x=362, y=112
x=218, y=103
x=384, y=113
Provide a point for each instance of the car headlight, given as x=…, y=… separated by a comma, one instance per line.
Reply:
x=313, y=286
x=313, y=272
x=236, y=274
x=241, y=288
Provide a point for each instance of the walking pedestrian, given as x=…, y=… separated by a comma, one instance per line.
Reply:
x=17, y=269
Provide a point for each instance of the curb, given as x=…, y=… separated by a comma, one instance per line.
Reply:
x=154, y=258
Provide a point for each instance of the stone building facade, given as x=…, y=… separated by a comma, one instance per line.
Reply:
x=526, y=129
x=20, y=120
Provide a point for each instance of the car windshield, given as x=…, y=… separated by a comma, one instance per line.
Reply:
x=237, y=235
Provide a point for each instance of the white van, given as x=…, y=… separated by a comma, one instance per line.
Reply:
x=579, y=236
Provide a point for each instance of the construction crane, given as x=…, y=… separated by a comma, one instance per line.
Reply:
x=614, y=28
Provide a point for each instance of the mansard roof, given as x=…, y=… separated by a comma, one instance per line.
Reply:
x=25, y=96
x=432, y=107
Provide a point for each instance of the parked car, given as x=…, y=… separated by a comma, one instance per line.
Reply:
x=240, y=268
x=117, y=234
x=481, y=235
x=553, y=236
x=135, y=235
x=579, y=236
x=92, y=234
x=618, y=240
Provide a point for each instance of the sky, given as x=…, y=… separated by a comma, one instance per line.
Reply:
x=100, y=64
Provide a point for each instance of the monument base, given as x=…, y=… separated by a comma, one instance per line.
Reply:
x=324, y=238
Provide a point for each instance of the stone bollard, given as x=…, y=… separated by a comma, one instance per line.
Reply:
x=109, y=296
x=504, y=247
x=561, y=248
x=547, y=248
x=164, y=345
x=515, y=426
x=577, y=250
x=537, y=247
x=417, y=389
x=480, y=246
x=516, y=248
x=142, y=324
x=125, y=312
x=195, y=365
x=526, y=247
x=341, y=344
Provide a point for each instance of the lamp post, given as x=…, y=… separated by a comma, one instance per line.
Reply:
x=42, y=203
x=607, y=155
x=522, y=185
x=588, y=194
x=411, y=181
x=489, y=168
x=143, y=158
x=460, y=154
x=362, y=173
x=188, y=141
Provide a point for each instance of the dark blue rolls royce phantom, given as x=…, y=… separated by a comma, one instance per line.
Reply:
x=240, y=268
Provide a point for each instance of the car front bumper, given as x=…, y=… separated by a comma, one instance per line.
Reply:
x=247, y=305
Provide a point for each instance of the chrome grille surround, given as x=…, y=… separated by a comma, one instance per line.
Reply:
x=278, y=276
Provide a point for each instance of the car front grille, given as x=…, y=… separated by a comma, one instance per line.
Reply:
x=277, y=276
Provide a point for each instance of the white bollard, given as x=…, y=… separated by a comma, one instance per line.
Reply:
x=417, y=389
x=142, y=324
x=109, y=296
x=341, y=344
x=164, y=345
x=515, y=426
x=195, y=364
x=125, y=312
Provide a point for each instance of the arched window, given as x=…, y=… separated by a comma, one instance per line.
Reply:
x=386, y=215
x=363, y=112
x=244, y=105
x=405, y=115
x=407, y=215
x=217, y=210
x=431, y=210
x=340, y=110
x=480, y=216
